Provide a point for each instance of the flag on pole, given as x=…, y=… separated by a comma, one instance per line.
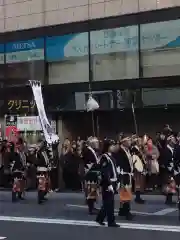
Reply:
x=49, y=135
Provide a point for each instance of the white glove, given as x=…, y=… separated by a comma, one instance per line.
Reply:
x=170, y=168
x=118, y=186
x=110, y=188
x=175, y=172
x=171, y=164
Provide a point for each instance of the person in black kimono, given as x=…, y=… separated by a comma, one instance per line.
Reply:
x=42, y=164
x=17, y=169
x=54, y=163
x=91, y=160
x=177, y=165
x=125, y=169
x=42, y=157
x=109, y=184
x=168, y=164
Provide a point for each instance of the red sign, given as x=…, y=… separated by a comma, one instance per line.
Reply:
x=11, y=133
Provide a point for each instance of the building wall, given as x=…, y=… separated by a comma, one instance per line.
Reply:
x=25, y=14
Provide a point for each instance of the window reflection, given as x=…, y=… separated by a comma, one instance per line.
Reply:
x=20, y=73
x=160, y=48
x=115, y=53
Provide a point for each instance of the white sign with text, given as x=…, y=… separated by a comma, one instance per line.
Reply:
x=31, y=123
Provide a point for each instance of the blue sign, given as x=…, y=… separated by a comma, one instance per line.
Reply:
x=55, y=46
x=1, y=48
x=25, y=45
x=124, y=39
x=104, y=41
x=23, y=51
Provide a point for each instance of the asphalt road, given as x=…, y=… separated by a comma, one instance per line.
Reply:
x=65, y=216
x=31, y=231
x=72, y=206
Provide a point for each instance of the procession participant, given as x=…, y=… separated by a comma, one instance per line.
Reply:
x=54, y=163
x=168, y=162
x=1, y=165
x=6, y=156
x=17, y=169
x=125, y=169
x=21, y=151
x=31, y=168
x=177, y=164
x=109, y=184
x=91, y=160
x=42, y=170
x=51, y=166
x=139, y=168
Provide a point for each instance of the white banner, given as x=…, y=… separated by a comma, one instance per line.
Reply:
x=31, y=123
x=46, y=127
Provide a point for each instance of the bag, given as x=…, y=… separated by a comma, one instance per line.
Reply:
x=154, y=166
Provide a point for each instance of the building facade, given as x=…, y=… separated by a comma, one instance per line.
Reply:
x=25, y=14
x=128, y=50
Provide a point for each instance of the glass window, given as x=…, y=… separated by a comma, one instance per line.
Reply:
x=20, y=73
x=104, y=99
x=2, y=69
x=160, y=48
x=160, y=96
x=1, y=64
x=24, y=61
x=68, y=58
x=115, y=53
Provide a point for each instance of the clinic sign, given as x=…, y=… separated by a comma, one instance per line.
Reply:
x=23, y=51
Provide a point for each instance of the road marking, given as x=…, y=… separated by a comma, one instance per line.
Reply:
x=3, y=238
x=165, y=211
x=146, y=227
x=116, y=210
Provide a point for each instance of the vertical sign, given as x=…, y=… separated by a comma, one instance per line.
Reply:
x=11, y=130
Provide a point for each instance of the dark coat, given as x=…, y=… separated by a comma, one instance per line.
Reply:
x=167, y=160
x=108, y=171
x=41, y=162
x=18, y=165
x=177, y=164
x=123, y=163
x=91, y=173
x=176, y=157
